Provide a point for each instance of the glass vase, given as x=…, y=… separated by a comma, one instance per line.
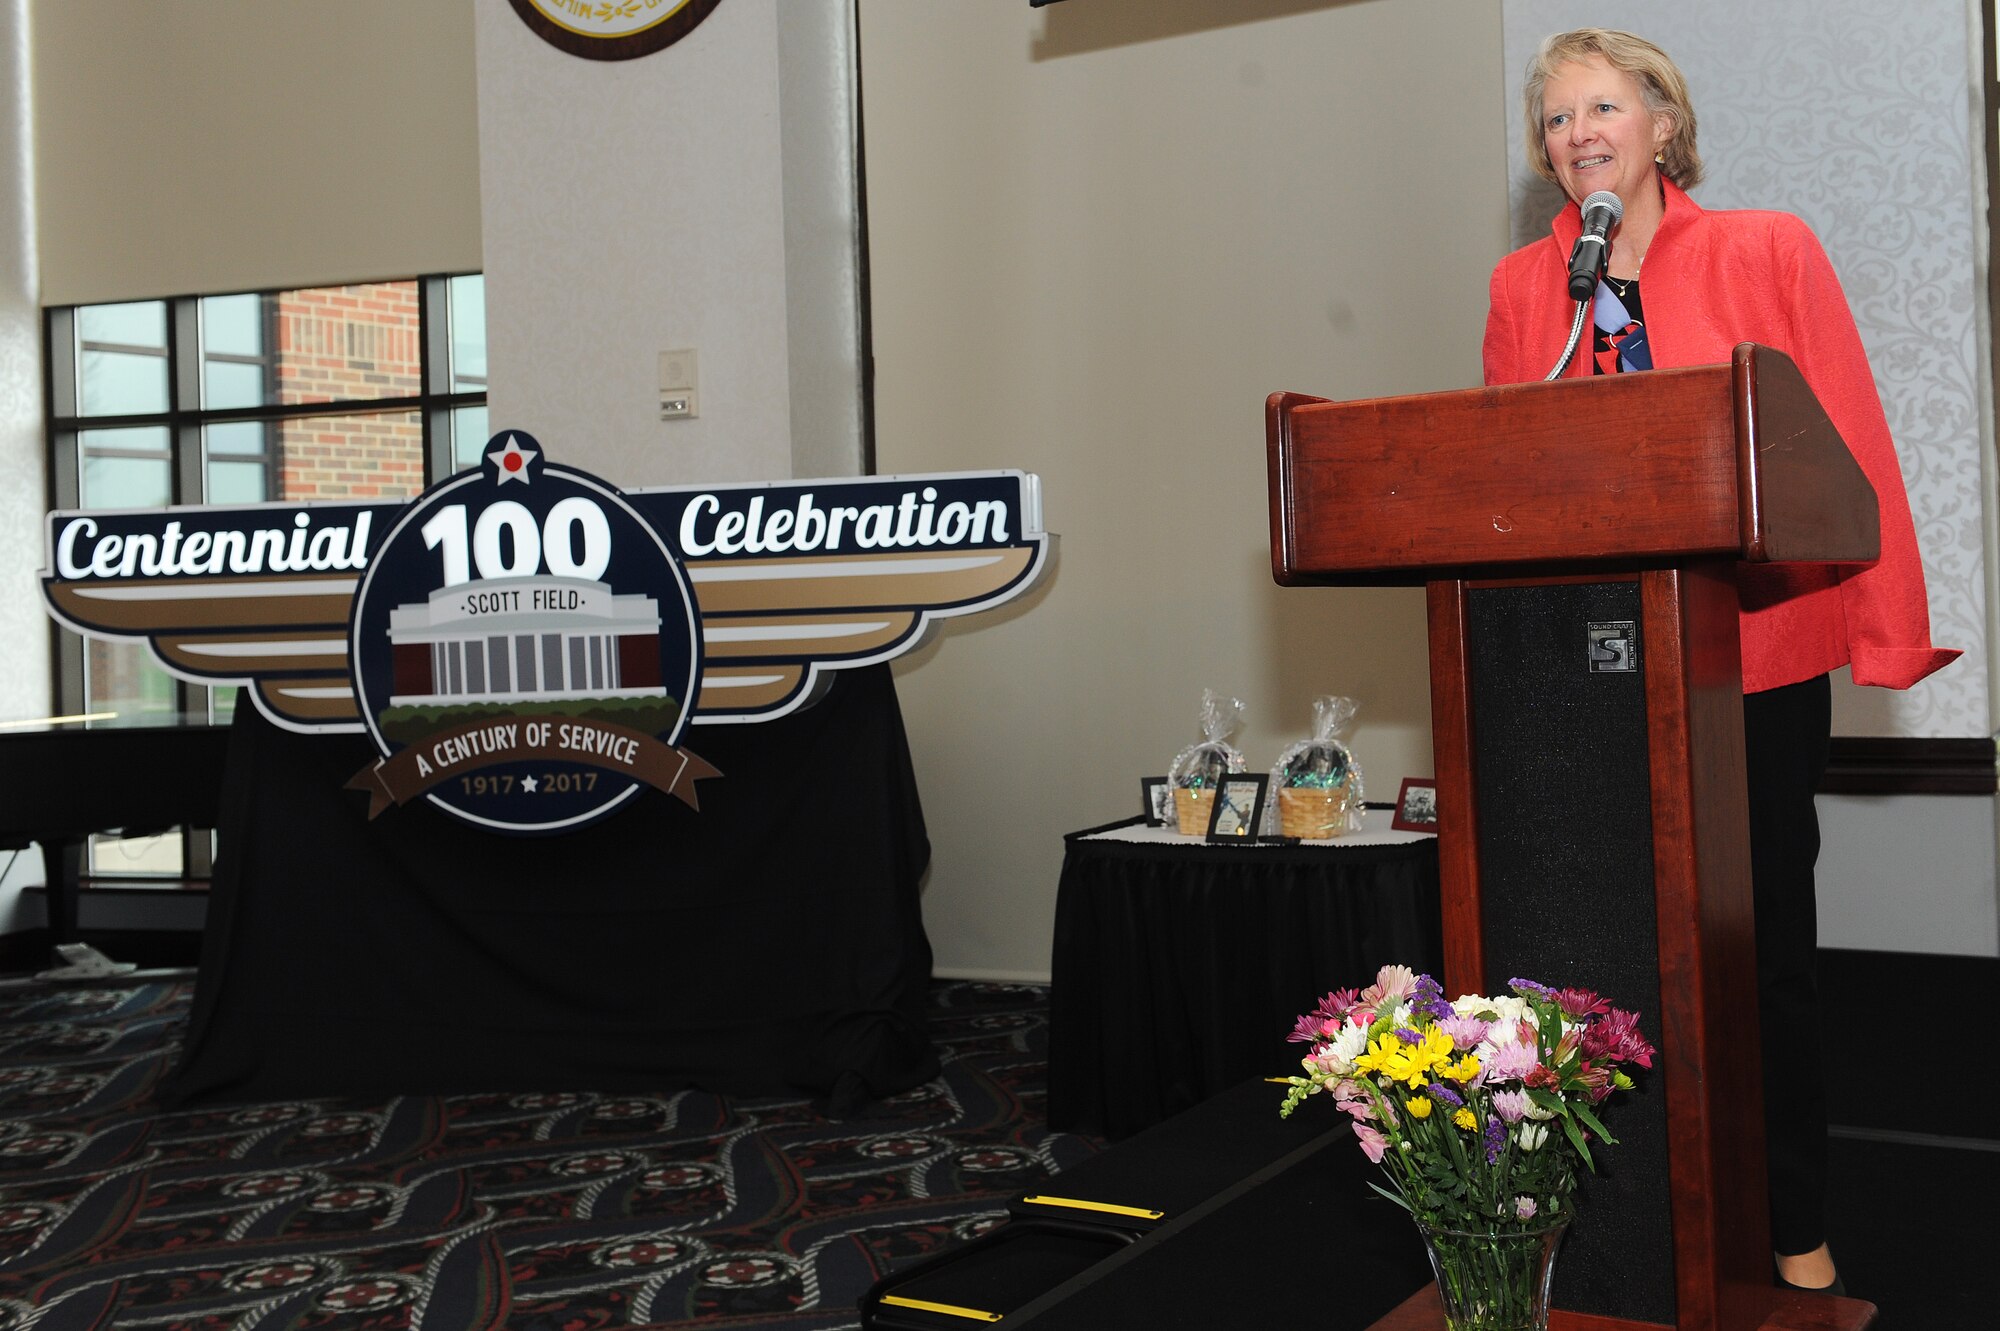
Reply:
x=1494, y=1280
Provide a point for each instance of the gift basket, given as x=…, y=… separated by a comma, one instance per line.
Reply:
x=1199, y=767
x=1317, y=780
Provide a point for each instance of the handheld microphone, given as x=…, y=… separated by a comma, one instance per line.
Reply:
x=1601, y=212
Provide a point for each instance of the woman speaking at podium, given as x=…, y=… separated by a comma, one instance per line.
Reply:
x=1608, y=111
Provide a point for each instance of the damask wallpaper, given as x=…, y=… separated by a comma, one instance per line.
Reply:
x=1860, y=118
x=24, y=678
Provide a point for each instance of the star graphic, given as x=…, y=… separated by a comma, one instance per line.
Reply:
x=528, y=784
x=513, y=460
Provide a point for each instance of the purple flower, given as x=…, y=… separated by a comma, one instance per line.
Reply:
x=1428, y=998
x=1526, y=987
x=1496, y=1139
x=1443, y=1092
x=1408, y=1036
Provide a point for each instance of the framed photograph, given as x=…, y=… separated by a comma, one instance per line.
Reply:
x=1416, y=806
x=1238, y=814
x=1156, y=797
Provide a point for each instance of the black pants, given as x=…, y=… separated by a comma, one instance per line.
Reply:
x=1785, y=740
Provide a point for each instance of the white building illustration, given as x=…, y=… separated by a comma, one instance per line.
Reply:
x=524, y=639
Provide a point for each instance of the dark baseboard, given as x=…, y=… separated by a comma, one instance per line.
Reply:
x=32, y=950
x=1870, y=765
x=1865, y=994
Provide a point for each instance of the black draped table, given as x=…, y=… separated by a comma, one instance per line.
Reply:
x=1180, y=967
x=62, y=780
x=769, y=943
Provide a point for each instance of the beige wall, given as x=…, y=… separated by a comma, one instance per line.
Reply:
x=231, y=145
x=1092, y=258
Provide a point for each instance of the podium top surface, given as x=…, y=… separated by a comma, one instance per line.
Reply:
x=1616, y=471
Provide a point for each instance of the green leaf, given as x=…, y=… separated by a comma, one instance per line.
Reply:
x=1390, y=1195
x=1582, y=1111
x=1576, y=1140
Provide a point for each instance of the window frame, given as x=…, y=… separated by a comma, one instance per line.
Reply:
x=185, y=419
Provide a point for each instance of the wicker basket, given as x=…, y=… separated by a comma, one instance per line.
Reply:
x=1193, y=808
x=1312, y=813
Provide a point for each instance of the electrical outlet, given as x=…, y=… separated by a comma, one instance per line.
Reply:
x=679, y=377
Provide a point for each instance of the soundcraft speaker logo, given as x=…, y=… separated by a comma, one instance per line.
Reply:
x=526, y=645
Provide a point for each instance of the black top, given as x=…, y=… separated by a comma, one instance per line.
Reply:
x=1618, y=333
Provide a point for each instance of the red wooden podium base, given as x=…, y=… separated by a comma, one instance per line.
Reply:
x=1791, y=1310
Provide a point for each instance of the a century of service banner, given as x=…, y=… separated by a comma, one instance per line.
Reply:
x=528, y=629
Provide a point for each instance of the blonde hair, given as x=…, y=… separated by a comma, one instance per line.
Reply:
x=1660, y=85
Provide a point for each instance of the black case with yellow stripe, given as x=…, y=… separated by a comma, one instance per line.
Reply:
x=1058, y=1236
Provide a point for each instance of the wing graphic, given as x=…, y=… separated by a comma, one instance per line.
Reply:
x=772, y=625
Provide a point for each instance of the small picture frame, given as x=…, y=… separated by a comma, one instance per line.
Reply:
x=1156, y=797
x=1416, y=806
x=1238, y=815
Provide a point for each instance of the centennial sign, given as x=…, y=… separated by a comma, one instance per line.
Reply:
x=526, y=645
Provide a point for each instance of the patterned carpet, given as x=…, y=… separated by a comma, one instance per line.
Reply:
x=564, y=1212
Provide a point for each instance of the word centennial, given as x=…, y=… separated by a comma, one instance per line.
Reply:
x=84, y=550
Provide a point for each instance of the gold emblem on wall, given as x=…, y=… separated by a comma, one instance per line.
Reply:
x=612, y=29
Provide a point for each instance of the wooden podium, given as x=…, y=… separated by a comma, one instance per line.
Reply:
x=1579, y=540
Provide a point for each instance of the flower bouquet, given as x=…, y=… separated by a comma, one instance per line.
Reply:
x=1480, y=1111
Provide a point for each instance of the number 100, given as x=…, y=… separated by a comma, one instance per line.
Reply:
x=572, y=522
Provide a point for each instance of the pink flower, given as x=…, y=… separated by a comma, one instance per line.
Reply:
x=1311, y=1028
x=1511, y=1106
x=1393, y=983
x=1360, y=1109
x=1465, y=1032
x=1616, y=1036
x=1524, y=1208
x=1373, y=1144
x=1510, y=1062
x=1337, y=1003
x=1323, y=1022
x=1578, y=1003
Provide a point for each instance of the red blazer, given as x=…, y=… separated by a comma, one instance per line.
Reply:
x=1711, y=280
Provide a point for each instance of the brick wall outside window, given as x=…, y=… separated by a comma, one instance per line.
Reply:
x=342, y=343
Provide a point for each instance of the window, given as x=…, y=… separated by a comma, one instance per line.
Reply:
x=355, y=392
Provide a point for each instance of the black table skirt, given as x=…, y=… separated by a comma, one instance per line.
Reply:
x=1178, y=970
x=770, y=943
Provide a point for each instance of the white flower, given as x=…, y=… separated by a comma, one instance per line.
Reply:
x=1337, y=1055
x=1471, y=1005
x=1530, y=1135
